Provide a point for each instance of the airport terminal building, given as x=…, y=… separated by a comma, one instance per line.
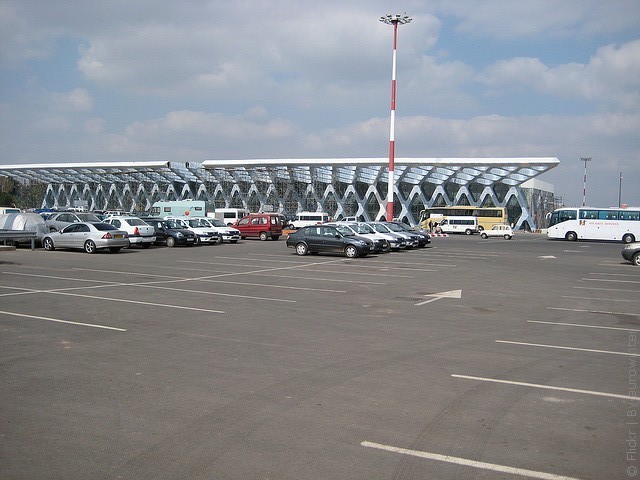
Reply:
x=353, y=187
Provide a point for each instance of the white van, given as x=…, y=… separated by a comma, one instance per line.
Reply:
x=466, y=225
x=230, y=215
x=310, y=218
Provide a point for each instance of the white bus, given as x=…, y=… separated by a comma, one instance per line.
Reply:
x=588, y=223
x=310, y=218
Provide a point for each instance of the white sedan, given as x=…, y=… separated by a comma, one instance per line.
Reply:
x=499, y=230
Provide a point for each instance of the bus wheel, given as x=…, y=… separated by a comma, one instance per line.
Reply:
x=571, y=236
x=628, y=238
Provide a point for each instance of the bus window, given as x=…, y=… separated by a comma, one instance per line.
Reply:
x=589, y=214
x=630, y=215
x=608, y=215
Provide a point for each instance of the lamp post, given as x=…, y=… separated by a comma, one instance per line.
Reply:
x=394, y=20
x=620, y=192
x=584, y=183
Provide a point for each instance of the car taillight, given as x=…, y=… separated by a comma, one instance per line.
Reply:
x=136, y=231
x=106, y=236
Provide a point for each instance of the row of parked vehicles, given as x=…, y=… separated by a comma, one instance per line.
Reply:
x=356, y=239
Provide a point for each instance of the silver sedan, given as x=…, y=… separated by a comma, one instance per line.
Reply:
x=87, y=236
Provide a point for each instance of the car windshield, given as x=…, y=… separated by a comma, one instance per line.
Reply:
x=217, y=223
x=173, y=225
x=88, y=217
x=103, y=226
x=363, y=228
x=346, y=231
x=193, y=222
x=136, y=222
x=393, y=227
x=380, y=228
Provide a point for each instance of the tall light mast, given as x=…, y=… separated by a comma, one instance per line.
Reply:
x=394, y=20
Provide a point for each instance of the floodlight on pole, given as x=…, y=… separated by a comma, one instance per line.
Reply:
x=584, y=183
x=394, y=20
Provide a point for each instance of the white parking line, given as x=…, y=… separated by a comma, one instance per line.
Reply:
x=607, y=289
x=602, y=299
x=105, y=327
x=546, y=387
x=608, y=280
x=467, y=462
x=585, y=326
x=560, y=347
x=593, y=311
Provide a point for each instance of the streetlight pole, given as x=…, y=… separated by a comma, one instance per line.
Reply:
x=620, y=192
x=394, y=20
x=584, y=183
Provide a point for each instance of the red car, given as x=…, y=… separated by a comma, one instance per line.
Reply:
x=261, y=225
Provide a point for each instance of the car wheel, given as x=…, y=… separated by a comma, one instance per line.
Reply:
x=628, y=238
x=233, y=241
x=275, y=237
x=263, y=236
x=114, y=249
x=301, y=249
x=48, y=245
x=89, y=246
x=197, y=241
x=171, y=242
x=350, y=251
x=507, y=237
x=53, y=229
x=571, y=236
x=387, y=247
x=483, y=235
x=468, y=231
x=636, y=259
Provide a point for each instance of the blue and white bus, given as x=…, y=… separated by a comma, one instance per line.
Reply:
x=589, y=223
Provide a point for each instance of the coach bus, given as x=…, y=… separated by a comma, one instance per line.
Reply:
x=487, y=216
x=588, y=223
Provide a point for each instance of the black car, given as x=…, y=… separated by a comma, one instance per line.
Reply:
x=631, y=252
x=170, y=233
x=328, y=239
x=423, y=238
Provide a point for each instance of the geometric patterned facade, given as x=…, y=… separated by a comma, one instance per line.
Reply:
x=340, y=186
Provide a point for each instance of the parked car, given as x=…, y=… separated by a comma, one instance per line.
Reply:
x=228, y=234
x=60, y=220
x=423, y=238
x=203, y=234
x=87, y=236
x=498, y=230
x=382, y=227
x=380, y=244
x=631, y=252
x=170, y=232
x=396, y=242
x=139, y=232
x=327, y=239
x=261, y=225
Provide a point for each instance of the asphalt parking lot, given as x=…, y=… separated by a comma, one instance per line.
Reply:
x=470, y=359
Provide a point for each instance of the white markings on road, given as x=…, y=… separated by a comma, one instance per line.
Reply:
x=560, y=347
x=546, y=387
x=593, y=311
x=467, y=462
x=602, y=299
x=438, y=296
x=585, y=326
x=609, y=280
x=57, y=320
x=545, y=257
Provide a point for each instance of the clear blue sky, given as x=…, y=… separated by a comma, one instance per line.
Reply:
x=131, y=80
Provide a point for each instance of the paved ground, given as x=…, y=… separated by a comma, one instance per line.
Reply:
x=472, y=359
